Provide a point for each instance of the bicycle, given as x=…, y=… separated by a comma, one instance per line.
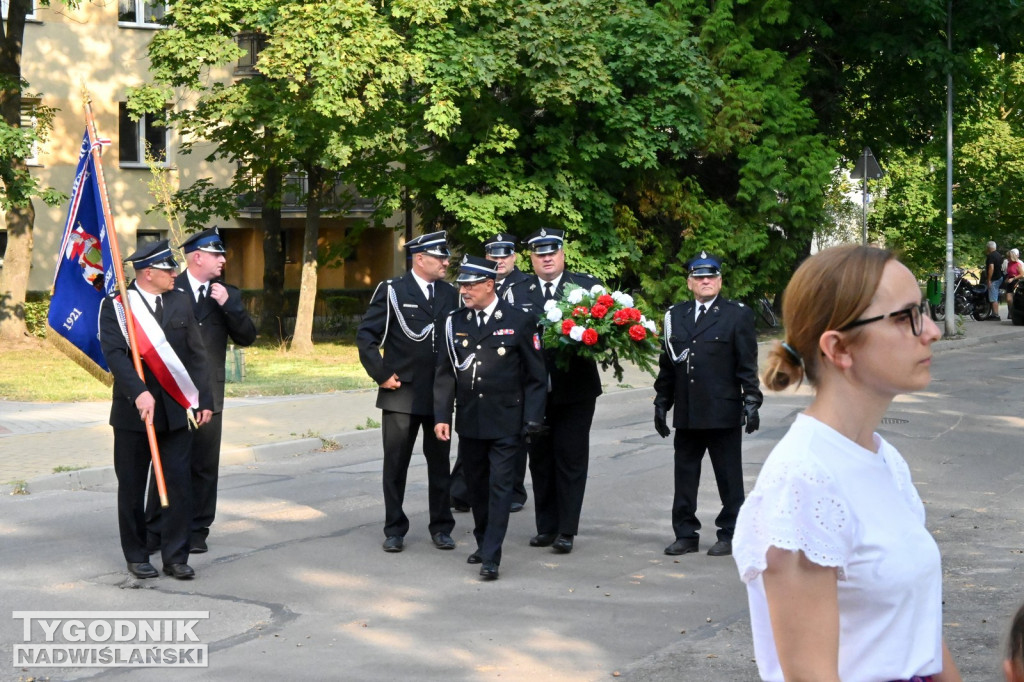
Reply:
x=763, y=308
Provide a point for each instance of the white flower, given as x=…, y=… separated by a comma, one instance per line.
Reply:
x=549, y=304
x=575, y=296
x=651, y=327
x=597, y=290
x=625, y=300
x=555, y=314
x=576, y=333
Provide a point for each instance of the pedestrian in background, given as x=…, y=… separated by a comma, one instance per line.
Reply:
x=221, y=315
x=164, y=316
x=1013, y=664
x=993, y=276
x=398, y=340
x=844, y=580
x=493, y=377
x=708, y=375
x=1014, y=271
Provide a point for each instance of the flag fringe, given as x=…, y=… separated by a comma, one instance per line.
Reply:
x=77, y=356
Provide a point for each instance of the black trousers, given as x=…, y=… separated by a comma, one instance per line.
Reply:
x=490, y=471
x=558, y=467
x=519, y=495
x=205, y=467
x=398, y=431
x=724, y=447
x=131, y=465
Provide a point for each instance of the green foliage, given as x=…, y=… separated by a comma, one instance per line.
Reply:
x=35, y=316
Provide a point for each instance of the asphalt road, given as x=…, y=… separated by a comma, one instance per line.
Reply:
x=297, y=586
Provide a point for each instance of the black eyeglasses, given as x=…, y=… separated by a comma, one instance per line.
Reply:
x=914, y=313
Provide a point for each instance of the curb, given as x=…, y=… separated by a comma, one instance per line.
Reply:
x=96, y=477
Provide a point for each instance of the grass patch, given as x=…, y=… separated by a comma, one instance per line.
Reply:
x=35, y=371
x=370, y=424
x=61, y=469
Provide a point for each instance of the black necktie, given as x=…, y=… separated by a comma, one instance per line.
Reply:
x=548, y=293
x=481, y=319
x=700, y=314
x=158, y=312
x=202, y=293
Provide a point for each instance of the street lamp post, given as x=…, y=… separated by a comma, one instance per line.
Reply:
x=867, y=167
x=950, y=310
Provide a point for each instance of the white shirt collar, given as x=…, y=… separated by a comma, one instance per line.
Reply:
x=423, y=285
x=195, y=284
x=489, y=310
x=554, y=283
x=698, y=304
x=149, y=298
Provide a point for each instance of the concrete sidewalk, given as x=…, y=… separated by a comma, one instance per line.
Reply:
x=47, y=446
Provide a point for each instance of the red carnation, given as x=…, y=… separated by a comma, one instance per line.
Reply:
x=606, y=300
x=633, y=314
x=622, y=317
x=581, y=311
x=589, y=337
x=567, y=325
x=599, y=310
x=636, y=332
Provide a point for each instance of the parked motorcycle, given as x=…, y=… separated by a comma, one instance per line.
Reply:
x=1017, y=303
x=969, y=298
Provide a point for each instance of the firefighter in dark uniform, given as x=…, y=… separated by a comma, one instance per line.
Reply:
x=404, y=321
x=708, y=373
x=500, y=248
x=166, y=315
x=493, y=375
x=559, y=461
x=221, y=317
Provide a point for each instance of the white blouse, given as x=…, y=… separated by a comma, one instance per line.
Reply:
x=857, y=511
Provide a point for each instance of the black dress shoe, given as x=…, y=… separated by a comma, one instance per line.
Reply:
x=516, y=507
x=563, y=544
x=197, y=545
x=489, y=571
x=443, y=541
x=474, y=558
x=721, y=548
x=543, y=539
x=143, y=569
x=394, y=543
x=460, y=506
x=180, y=571
x=682, y=546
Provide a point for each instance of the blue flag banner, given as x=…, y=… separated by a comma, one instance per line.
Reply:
x=85, y=273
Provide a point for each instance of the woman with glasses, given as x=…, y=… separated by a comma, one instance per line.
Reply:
x=843, y=579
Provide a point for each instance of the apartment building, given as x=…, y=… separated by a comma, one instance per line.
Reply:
x=100, y=48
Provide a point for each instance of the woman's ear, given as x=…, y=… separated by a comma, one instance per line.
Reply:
x=834, y=347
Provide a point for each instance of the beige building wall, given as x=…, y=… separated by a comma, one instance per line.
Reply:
x=68, y=50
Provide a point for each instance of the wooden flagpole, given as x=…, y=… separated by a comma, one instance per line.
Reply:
x=115, y=253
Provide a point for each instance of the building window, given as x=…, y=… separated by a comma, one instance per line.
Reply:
x=143, y=237
x=29, y=120
x=252, y=44
x=137, y=138
x=30, y=16
x=140, y=12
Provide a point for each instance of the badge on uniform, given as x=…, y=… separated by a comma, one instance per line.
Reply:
x=536, y=341
x=501, y=350
x=465, y=343
x=498, y=315
x=504, y=332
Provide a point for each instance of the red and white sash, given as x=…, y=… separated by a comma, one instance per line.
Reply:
x=156, y=351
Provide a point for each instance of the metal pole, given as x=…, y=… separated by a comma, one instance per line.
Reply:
x=950, y=310
x=864, y=202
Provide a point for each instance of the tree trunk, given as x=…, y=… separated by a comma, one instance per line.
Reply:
x=302, y=340
x=14, y=274
x=272, y=317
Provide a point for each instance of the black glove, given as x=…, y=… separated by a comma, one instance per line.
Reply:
x=661, y=422
x=534, y=431
x=750, y=417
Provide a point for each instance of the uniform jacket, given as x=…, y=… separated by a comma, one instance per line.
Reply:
x=716, y=370
x=503, y=386
x=183, y=335
x=504, y=288
x=581, y=382
x=217, y=323
x=413, y=361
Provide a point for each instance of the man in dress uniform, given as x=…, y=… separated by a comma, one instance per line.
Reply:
x=221, y=315
x=493, y=375
x=405, y=321
x=708, y=372
x=175, y=391
x=559, y=461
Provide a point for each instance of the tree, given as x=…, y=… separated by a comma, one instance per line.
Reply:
x=17, y=186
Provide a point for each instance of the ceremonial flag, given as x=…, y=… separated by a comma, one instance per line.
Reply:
x=85, y=273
